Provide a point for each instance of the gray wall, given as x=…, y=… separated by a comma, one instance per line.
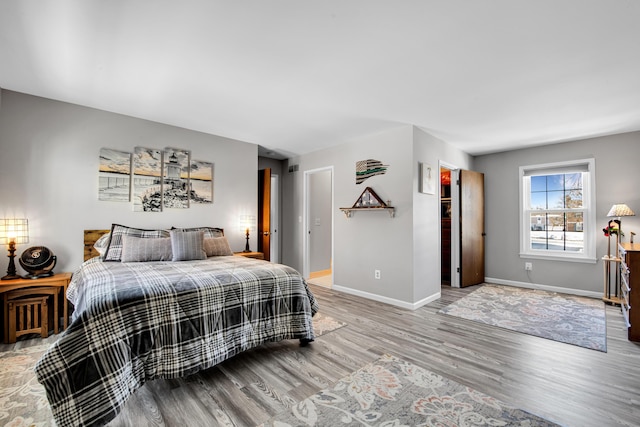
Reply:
x=405, y=248
x=321, y=217
x=426, y=208
x=368, y=240
x=617, y=178
x=275, y=165
x=49, y=174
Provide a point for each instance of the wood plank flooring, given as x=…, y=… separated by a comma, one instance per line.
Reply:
x=567, y=384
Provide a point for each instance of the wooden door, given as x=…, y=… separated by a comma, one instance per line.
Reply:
x=264, y=213
x=471, y=228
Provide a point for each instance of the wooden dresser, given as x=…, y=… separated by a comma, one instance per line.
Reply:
x=630, y=284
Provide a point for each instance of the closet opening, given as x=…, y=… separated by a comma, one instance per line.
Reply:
x=445, y=225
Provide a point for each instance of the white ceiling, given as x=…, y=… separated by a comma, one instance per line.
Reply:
x=295, y=76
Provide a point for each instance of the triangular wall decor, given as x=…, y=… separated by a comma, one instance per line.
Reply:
x=369, y=199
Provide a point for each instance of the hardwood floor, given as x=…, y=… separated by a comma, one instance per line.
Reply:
x=323, y=280
x=566, y=384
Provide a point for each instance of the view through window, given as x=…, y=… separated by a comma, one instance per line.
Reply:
x=557, y=210
x=557, y=219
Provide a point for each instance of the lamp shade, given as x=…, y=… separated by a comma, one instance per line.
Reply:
x=620, y=210
x=14, y=230
x=247, y=222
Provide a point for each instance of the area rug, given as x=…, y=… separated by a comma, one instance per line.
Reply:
x=23, y=401
x=566, y=318
x=324, y=324
x=392, y=392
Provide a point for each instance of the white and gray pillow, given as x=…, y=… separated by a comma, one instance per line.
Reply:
x=114, y=250
x=102, y=243
x=209, y=232
x=187, y=245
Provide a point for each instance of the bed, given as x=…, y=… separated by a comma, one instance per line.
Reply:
x=139, y=320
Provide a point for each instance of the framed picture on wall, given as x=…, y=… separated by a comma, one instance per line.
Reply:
x=427, y=179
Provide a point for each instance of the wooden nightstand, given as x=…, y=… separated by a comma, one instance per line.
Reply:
x=60, y=280
x=256, y=255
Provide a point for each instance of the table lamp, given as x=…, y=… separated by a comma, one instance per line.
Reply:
x=247, y=223
x=13, y=231
x=620, y=210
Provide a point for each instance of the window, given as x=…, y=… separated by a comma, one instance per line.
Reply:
x=557, y=211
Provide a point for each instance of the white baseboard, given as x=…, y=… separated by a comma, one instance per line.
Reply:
x=436, y=296
x=528, y=285
x=387, y=300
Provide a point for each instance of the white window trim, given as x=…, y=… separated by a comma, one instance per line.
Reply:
x=589, y=199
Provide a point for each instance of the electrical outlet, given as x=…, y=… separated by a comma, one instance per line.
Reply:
x=376, y=274
x=528, y=266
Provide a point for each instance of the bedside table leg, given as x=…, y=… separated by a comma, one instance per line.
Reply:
x=56, y=314
x=66, y=309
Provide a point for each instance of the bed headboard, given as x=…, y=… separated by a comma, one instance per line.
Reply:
x=90, y=238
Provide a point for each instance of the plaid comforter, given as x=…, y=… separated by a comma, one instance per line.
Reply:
x=134, y=322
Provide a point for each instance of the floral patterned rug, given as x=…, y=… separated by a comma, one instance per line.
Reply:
x=23, y=401
x=324, y=324
x=560, y=317
x=393, y=393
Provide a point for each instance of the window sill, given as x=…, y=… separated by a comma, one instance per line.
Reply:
x=550, y=257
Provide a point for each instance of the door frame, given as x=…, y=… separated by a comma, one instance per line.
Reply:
x=306, y=226
x=275, y=219
x=455, y=220
x=264, y=212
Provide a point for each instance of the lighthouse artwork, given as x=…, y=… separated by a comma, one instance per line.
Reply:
x=176, y=186
x=155, y=179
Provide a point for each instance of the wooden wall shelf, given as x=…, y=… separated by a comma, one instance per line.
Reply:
x=349, y=211
x=369, y=201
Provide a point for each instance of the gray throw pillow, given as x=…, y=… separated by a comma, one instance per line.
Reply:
x=217, y=246
x=114, y=249
x=187, y=245
x=138, y=249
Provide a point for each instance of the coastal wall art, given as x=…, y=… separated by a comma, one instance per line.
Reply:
x=175, y=179
x=114, y=176
x=154, y=179
x=147, y=180
x=201, y=182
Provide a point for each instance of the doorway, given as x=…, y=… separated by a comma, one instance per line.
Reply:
x=275, y=219
x=318, y=222
x=461, y=226
x=445, y=225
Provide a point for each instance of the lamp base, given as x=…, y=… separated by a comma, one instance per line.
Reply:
x=11, y=270
x=246, y=247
